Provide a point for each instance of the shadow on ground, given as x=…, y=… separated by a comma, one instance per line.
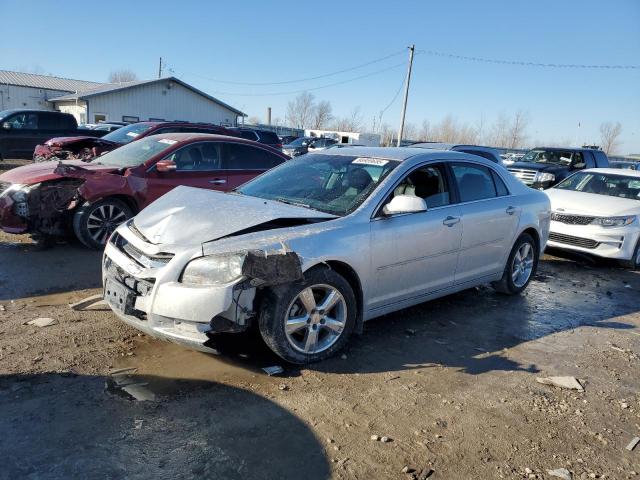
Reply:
x=57, y=426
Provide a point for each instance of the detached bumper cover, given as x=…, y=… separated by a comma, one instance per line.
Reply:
x=9, y=221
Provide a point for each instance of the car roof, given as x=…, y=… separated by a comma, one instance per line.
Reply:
x=187, y=137
x=568, y=149
x=448, y=146
x=614, y=171
x=390, y=153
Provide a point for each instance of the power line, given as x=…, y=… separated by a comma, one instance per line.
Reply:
x=300, y=80
x=528, y=64
x=377, y=72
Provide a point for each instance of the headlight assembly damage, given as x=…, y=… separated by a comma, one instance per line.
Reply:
x=259, y=267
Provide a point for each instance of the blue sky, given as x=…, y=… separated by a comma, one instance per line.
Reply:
x=259, y=41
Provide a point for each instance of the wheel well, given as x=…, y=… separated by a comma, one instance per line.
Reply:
x=536, y=238
x=123, y=198
x=352, y=277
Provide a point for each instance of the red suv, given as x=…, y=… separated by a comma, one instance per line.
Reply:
x=87, y=147
x=91, y=199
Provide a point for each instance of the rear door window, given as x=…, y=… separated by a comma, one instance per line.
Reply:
x=238, y=156
x=475, y=182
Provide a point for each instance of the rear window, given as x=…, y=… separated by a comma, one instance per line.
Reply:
x=128, y=133
x=269, y=137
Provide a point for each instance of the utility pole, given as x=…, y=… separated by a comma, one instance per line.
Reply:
x=160, y=68
x=406, y=94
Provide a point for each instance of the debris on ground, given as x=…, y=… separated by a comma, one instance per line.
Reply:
x=426, y=473
x=274, y=370
x=138, y=424
x=407, y=469
x=42, y=322
x=633, y=443
x=283, y=387
x=93, y=300
x=375, y=438
x=132, y=387
x=343, y=356
x=385, y=439
x=562, y=473
x=571, y=383
x=2, y=308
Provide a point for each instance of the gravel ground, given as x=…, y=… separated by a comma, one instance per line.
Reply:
x=451, y=383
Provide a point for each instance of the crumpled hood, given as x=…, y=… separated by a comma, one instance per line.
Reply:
x=591, y=203
x=192, y=216
x=64, y=141
x=45, y=171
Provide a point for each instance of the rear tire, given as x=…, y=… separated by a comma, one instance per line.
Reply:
x=308, y=321
x=520, y=268
x=93, y=223
x=634, y=262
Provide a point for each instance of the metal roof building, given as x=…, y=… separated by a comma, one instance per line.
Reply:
x=91, y=102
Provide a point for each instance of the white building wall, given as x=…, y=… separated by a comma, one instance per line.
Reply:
x=159, y=101
x=77, y=109
x=12, y=96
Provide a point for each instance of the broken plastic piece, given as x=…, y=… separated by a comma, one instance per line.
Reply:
x=274, y=370
x=42, y=322
x=87, y=302
x=633, y=443
x=571, y=383
x=272, y=268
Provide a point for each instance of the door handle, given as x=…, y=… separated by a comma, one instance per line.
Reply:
x=450, y=221
x=218, y=181
x=511, y=210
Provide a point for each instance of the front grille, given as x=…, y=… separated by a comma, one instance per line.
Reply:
x=571, y=240
x=572, y=219
x=143, y=259
x=525, y=176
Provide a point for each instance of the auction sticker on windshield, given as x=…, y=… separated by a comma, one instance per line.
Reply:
x=132, y=134
x=370, y=161
x=168, y=141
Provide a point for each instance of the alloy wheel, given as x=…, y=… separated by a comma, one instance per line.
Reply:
x=315, y=319
x=522, y=265
x=103, y=221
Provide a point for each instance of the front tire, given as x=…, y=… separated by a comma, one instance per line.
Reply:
x=634, y=262
x=93, y=223
x=521, y=266
x=308, y=321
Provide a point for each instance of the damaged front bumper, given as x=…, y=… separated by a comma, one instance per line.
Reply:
x=142, y=286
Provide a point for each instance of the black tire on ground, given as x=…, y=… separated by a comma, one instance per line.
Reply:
x=274, y=310
x=506, y=284
x=634, y=262
x=93, y=223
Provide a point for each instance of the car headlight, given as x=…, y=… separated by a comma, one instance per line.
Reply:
x=613, y=221
x=18, y=192
x=545, y=177
x=214, y=269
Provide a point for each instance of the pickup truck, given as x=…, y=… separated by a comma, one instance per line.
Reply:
x=21, y=130
x=543, y=167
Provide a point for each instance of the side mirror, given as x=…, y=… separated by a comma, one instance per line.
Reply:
x=578, y=166
x=165, y=166
x=6, y=126
x=404, y=204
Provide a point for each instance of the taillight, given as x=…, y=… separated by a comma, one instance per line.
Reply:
x=278, y=145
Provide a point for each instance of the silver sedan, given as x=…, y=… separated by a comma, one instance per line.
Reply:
x=313, y=248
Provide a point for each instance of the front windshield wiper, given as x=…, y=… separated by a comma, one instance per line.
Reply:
x=291, y=202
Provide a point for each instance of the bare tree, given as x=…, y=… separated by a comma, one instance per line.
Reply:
x=253, y=120
x=410, y=132
x=322, y=115
x=517, y=131
x=609, y=136
x=498, y=134
x=300, y=111
x=387, y=135
x=123, y=75
x=352, y=123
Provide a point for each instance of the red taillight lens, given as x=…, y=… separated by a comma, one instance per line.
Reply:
x=278, y=145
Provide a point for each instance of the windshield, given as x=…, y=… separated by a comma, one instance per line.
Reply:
x=621, y=186
x=299, y=141
x=558, y=157
x=335, y=184
x=135, y=153
x=5, y=114
x=128, y=133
